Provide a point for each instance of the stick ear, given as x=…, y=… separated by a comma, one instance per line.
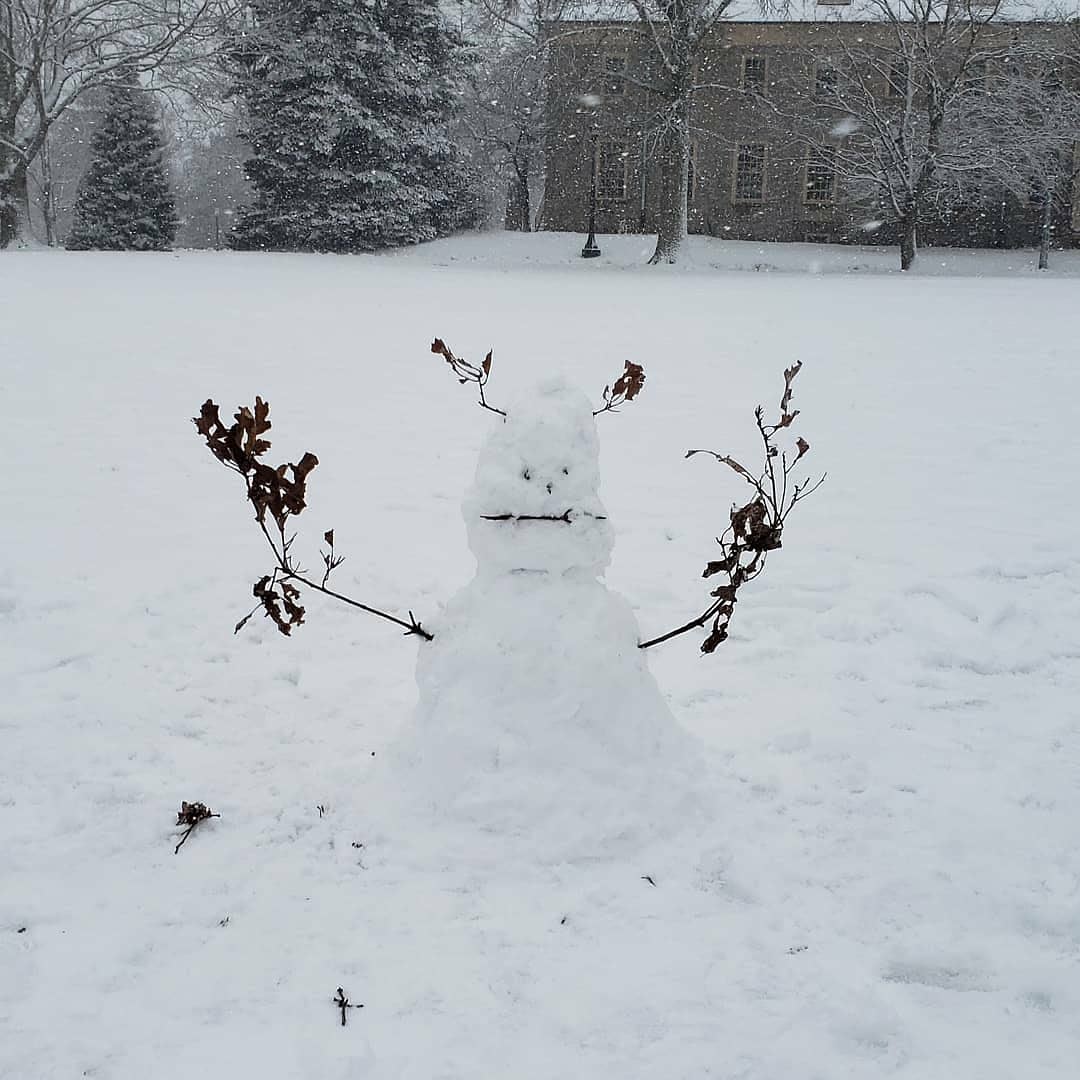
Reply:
x=625, y=388
x=467, y=372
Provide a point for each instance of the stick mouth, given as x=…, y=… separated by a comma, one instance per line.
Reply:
x=567, y=517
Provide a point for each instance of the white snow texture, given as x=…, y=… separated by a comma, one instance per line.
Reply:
x=890, y=887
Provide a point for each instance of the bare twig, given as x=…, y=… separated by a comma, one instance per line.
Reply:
x=467, y=372
x=191, y=814
x=343, y=1003
x=330, y=561
x=410, y=627
x=625, y=388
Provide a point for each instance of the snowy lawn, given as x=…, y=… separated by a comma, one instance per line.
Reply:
x=891, y=886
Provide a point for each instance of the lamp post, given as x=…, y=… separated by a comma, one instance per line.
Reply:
x=591, y=250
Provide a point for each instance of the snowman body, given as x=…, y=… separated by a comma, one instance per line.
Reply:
x=538, y=720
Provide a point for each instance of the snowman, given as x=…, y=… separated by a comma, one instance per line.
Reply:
x=538, y=724
x=538, y=721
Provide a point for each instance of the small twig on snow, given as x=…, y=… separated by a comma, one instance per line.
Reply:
x=343, y=1003
x=191, y=814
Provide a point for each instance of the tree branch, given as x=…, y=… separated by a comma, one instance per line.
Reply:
x=273, y=492
x=755, y=528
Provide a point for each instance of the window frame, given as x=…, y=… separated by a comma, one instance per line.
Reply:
x=897, y=80
x=623, y=153
x=976, y=79
x=612, y=80
x=758, y=200
x=747, y=58
x=818, y=160
x=833, y=89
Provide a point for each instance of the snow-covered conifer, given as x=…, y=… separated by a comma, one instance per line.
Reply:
x=124, y=202
x=349, y=108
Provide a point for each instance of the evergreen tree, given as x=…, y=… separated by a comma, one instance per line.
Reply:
x=123, y=201
x=349, y=106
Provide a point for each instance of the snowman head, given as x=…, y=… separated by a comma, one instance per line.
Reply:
x=535, y=503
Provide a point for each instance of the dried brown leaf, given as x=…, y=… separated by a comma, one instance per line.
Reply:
x=193, y=813
x=789, y=378
x=722, y=566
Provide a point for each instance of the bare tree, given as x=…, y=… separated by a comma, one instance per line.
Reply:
x=504, y=115
x=52, y=52
x=675, y=32
x=670, y=42
x=209, y=183
x=1025, y=125
x=46, y=191
x=891, y=97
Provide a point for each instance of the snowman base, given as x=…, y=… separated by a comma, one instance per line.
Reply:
x=557, y=745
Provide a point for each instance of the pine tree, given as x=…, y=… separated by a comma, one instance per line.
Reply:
x=349, y=106
x=123, y=201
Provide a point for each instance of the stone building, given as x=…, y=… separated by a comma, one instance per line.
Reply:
x=753, y=175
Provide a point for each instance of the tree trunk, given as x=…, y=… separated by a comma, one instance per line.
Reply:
x=1045, y=221
x=674, y=160
x=518, y=206
x=14, y=203
x=908, y=240
x=48, y=196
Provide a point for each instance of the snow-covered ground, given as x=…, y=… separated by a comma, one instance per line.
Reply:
x=891, y=882
x=705, y=254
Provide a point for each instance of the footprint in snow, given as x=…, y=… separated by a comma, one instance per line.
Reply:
x=1039, y=1000
x=938, y=976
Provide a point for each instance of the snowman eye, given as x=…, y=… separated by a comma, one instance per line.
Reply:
x=566, y=471
x=526, y=475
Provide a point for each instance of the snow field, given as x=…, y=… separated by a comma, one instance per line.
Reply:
x=891, y=886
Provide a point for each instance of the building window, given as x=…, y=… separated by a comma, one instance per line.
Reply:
x=820, y=189
x=611, y=168
x=975, y=78
x=1051, y=82
x=614, y=74
x=896, y=85
x=750, y=173
x=754, y=73
x=826, y=80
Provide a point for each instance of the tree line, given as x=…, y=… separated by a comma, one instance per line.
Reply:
x=364, y=124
